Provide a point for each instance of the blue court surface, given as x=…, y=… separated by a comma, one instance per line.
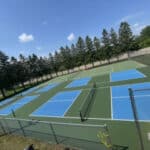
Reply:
x=79, y=82
x=25, y=100
x=121, y=104
x=126, y=75
x=47, y=88
x=23, y=94
x=6, y=101
x=28, y=91
x=58, y=105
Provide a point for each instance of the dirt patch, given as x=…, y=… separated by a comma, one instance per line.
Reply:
x=11, y=142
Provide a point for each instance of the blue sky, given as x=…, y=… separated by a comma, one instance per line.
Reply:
x=42, y=26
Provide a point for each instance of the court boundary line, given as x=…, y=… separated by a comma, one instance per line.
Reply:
x=88, y=80
x=141, y=73
x=53, y=85
x=130, y=84
x=17, y=103
x=58, y=123
x=90, y=118
x=136, y=72
x=102, y=119
x=110, y=80
x=72, y=102
x=65, y=91
x=123, y=97
x=111, y=103
x=80, y=91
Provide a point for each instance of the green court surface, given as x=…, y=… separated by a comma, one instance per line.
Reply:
x=121, y=133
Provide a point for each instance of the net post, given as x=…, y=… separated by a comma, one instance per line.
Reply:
x=53, y=132
x=81, y=116
x=135, y=114
x=85, y=106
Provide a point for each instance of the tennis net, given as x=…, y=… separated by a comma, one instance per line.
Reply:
x=86, y=105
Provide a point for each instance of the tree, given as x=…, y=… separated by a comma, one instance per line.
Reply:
x=73, y=52
x=57, y=62
x=66, y=57
x=3, y=72
x=80, y=46
x=114, y=42
x=90, y=51
x=125, y=37
x=145, y=33
x=107, y=51
x=52, y=64
x=144, y=38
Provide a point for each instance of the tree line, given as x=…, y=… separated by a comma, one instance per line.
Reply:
x=111, y=44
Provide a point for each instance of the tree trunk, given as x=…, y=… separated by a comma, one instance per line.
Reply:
x=117, y=57
x=92, y=64
x=51, y=76
x=37, y=82
x=22, y=83
x=47, y=77
x=128, y=54
x=14, y=89
x=3, y=93
x=43, y=79
x=30, y=82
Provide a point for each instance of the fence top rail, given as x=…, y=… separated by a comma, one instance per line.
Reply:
x=56, y=123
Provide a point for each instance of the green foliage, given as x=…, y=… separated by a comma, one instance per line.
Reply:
x=80, y=48
x=125, y=37
x=144, y=38
x=107, y=50
x=90, y=51
x=84, y=51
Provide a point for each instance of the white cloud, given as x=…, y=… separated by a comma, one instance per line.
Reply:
x=137, y=28
x=39, y=48
x=23, y=38
x=130, y=17
x=71, y=37
x=135, y=25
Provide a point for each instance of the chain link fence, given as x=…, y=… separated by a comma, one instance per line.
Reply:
x=82, y=136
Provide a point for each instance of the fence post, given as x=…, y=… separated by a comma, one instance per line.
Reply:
x=7, y=127
x=19, y=122
x=135, y=114
x=53, y=132
x=109, y=138
x=2, y=127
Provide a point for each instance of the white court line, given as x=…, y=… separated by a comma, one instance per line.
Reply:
x=131, y=120
x=129, y=84
x=110, y=80
x=60, y=100
x=63, y=123
x=118, y=97
x=102, y=119
x=141, y=73
x=70, y=117
x=111, y=103
x=105, y=119
x=72, y=103
x=56, y=101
